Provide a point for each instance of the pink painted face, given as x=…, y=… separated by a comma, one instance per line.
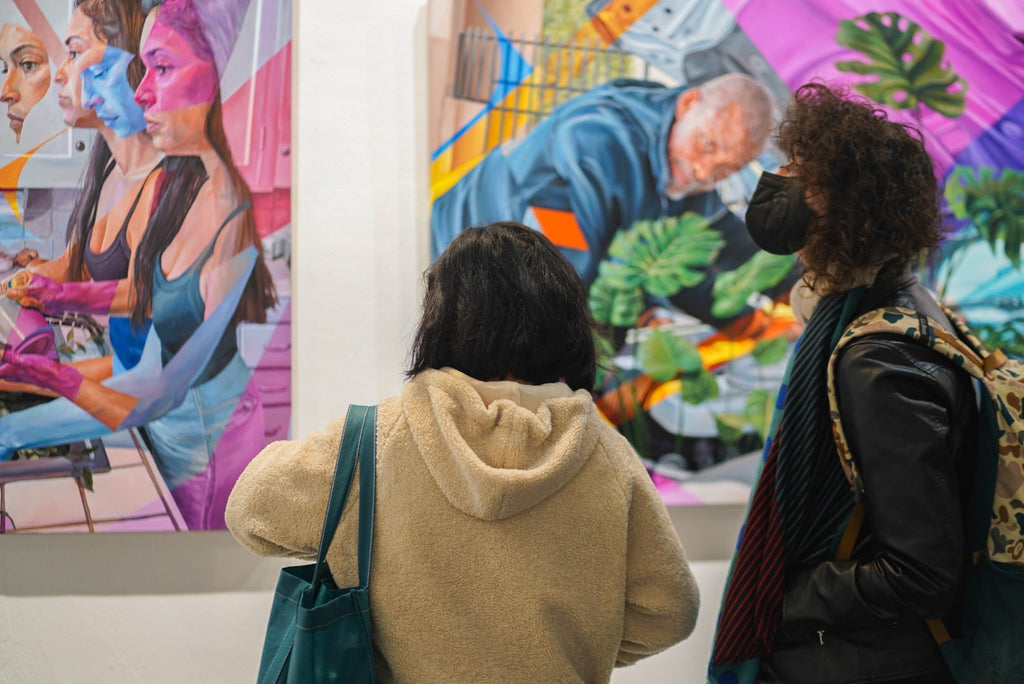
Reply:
x=177, y=91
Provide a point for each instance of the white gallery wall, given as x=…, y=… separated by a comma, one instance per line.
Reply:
x=192, y=607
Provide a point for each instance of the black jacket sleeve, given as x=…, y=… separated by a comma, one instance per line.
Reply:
x=899, y=404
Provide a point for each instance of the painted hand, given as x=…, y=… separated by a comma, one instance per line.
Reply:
x=34, y=291
x=25, y=257
x=38, y=370
x=50, y=297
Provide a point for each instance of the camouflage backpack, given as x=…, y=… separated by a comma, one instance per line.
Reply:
x=992, y=647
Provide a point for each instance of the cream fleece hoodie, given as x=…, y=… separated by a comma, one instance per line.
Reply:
x=517, y=537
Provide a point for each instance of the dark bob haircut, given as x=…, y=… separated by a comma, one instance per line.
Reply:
x=502, y=302
x=875, y=181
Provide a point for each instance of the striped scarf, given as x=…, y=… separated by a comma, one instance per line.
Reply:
x=799, y=505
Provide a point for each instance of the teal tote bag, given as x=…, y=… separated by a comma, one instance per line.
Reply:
x=318, y=632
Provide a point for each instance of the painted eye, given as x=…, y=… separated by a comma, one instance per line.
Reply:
x=28, y=67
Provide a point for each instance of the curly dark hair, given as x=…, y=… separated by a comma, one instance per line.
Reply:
x=502, y=300
x=874, y=180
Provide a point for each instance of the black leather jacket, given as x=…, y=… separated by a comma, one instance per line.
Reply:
x=909, y=416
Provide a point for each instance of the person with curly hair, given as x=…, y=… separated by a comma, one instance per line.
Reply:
x=859, y=203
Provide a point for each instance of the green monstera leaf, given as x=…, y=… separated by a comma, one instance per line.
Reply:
x=659, y=257
x=732, y=288
x=616, y=306
x=907, y=61
x=668, y=254
x=767, y=352
x=663, y=355
x=993, y=204
x=696, y=388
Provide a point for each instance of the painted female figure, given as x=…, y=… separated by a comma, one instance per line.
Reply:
x=111, y=212
x=184, y=268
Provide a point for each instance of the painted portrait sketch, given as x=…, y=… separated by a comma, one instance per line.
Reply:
x=146, y=258
x=632, y=134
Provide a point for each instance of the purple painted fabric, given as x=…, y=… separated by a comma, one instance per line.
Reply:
x=203, y=497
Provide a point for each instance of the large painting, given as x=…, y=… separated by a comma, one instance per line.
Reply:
x=632, y=134
x=144, y=258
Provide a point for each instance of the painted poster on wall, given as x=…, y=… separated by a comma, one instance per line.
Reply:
x=632, y=134
x=144, y=258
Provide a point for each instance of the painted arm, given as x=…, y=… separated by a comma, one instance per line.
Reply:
x=53, y=297
x=147, y=391
x=55, y=269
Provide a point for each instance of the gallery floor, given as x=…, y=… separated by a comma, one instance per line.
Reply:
x=216, y=638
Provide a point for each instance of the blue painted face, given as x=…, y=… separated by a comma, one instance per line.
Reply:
x=105, y=88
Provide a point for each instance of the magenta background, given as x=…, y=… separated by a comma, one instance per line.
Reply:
x=798, y=40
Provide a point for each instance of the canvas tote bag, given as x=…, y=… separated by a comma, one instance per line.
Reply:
x=318, y=632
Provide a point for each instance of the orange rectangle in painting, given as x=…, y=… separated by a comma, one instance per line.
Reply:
x=561, y=228
x=617, y=16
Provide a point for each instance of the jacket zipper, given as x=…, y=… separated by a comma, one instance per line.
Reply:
x=821, y=637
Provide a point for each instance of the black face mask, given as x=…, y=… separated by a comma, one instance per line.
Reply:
x=778, y=215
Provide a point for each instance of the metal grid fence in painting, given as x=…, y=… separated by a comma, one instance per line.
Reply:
x=485, y=70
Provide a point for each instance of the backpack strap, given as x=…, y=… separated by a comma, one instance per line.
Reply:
x=962, y=348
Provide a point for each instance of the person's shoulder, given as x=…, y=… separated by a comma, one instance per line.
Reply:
x=886, y=361
x=614, y=452
x=390, y=417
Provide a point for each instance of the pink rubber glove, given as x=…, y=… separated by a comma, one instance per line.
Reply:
x=51, y=297
x=40, y=371
x=25, y=331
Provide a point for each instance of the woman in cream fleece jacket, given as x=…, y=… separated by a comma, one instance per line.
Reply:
x=517, y=537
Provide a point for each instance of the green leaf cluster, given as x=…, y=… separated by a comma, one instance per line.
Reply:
x=757, y=413
x=993, y=204
x=665, y=356
x=657, y=257
x=661, y=258
x=907, y=61
x=733, y=288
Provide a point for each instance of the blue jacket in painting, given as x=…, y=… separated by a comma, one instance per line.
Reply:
x=603, y=156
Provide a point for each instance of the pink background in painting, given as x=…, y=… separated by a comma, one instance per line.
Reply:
x=798, y=40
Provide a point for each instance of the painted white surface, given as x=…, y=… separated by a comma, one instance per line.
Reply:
x=193, y=607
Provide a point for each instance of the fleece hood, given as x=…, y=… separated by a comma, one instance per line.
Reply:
x=496, y=449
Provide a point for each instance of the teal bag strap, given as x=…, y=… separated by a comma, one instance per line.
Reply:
x=367, y=487
x=359, y=423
